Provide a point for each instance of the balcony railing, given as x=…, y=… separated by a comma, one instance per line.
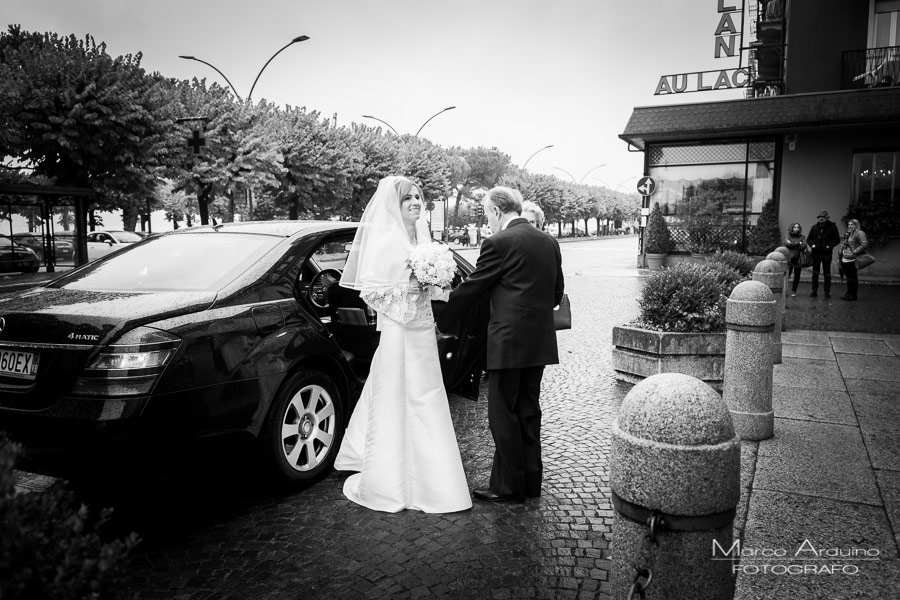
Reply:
x=872, y=67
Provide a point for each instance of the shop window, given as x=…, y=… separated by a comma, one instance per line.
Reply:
x=876, y=194
x=712, y=194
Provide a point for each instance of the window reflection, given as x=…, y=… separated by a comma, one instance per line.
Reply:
x=712, y=203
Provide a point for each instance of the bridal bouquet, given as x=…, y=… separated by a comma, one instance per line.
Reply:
x=433, y=264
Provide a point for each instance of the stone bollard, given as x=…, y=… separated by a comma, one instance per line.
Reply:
x=768, y=272
x=747, y=385
x=675, y=477
x=780, y=255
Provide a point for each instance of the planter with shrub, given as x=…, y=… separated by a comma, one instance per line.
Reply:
x=681, y=328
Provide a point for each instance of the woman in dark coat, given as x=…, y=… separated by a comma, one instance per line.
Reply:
x=795, y=242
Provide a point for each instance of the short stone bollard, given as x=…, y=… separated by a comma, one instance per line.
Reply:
x=780, y=255
x=675, y=477
x=768, y=272
x=747, y=384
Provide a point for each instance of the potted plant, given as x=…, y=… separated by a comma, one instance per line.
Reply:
x=658, y=240
x=681, y=327
x=766, y=234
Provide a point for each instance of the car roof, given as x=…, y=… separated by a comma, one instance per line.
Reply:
x=281, y=228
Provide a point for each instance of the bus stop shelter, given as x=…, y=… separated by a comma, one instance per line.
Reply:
x=47, y=211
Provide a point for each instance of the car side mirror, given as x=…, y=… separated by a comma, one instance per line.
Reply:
x=109, y=243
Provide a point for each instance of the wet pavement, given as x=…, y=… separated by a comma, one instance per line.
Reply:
x=221, y=533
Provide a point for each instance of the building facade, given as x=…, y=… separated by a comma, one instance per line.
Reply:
x=818, y=129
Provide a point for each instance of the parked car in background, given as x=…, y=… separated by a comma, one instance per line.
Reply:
x=15, y=257
x=64, y=248
x=235, y=332
x=101, y=243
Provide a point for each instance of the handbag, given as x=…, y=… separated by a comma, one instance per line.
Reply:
x=562, y=314
x=864, y=260
x=804, y=259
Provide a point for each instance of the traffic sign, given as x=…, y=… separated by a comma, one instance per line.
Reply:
x=646, y=186
x=196, y=142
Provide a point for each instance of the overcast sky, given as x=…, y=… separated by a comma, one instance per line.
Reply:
x=522, y=74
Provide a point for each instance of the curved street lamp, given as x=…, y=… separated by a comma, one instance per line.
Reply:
x=380, y=121
x=579, y=182
x=431, y=117
x=532, y=156
x=216, y=70
x=420, y=128
x=299, y=38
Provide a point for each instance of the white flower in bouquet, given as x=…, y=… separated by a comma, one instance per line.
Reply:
x=433, y=264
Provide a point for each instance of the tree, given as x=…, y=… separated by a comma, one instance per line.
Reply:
x=81, y=118
x=485, y=167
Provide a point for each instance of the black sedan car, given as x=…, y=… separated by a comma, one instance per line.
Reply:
x=15, y=257
x=229, y=332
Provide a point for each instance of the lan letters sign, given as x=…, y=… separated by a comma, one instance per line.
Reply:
x=728, y=42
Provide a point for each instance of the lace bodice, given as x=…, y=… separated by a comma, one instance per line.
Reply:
x=409, y=304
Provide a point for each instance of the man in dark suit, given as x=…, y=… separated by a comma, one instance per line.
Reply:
x=521, y=268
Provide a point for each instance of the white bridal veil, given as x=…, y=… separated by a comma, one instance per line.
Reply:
x=379, y=256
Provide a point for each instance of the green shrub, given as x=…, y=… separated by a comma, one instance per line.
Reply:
x=687, y=297
x=741, y=263
x=50, y=545
x=658, y=240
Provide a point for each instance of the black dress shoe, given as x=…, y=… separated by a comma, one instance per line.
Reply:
x=813, y=295
x=827, y=294
x=488, y=496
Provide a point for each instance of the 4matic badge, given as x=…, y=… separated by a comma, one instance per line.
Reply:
x=81, y=337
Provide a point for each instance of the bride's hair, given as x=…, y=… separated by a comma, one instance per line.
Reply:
x=379, y=255
x=404, y=185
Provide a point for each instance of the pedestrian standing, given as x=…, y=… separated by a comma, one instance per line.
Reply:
x=853, y=243
x=822, y=238
x=796, y=243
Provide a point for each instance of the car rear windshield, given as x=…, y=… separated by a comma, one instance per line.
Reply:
x=183, y=262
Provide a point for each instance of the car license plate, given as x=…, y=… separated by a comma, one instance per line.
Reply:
x=15, y=363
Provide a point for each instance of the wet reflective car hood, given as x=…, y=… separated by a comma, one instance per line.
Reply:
x=60, y=316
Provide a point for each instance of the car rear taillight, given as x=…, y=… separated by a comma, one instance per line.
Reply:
x=130, y=366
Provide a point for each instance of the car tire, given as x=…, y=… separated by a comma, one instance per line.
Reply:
x=303, y=429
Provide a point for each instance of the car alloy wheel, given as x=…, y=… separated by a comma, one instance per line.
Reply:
x=304, y=428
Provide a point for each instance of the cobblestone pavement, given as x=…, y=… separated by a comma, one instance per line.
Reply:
x=222, y=539
x=222, y=534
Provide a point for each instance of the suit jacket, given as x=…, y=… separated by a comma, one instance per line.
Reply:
x=521, y=268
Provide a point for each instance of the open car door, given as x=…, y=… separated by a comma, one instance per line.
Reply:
x=462, y=351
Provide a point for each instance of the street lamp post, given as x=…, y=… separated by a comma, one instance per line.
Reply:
x=536, y=151
x=420, y=128
x=299, y=38
x=215, y=69
x=580, y=181
x=431, y=117
x=385, y=122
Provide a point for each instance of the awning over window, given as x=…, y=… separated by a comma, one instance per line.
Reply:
x=762, y=116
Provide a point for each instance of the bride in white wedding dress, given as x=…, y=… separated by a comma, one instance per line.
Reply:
x=400, y=437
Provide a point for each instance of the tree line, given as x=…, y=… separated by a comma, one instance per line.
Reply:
x=74, y=116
